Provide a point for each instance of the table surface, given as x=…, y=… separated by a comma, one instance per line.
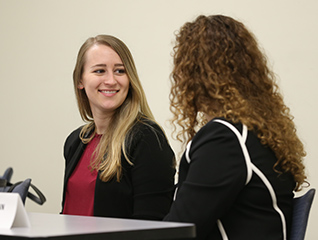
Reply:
x=57, y=226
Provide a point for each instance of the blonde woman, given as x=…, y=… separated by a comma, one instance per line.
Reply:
x=120, y=163
x=243, y=158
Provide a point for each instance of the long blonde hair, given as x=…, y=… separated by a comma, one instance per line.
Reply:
x=220, y=70
x=135, y=108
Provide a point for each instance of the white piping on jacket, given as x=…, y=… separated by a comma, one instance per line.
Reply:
x=188, y=160
x=251, y=167
x=243, y=146
x=273, y=196
x=187, y=153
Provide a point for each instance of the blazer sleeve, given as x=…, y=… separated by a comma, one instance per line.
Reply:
x=215, y=176
x=73, y=149
x=152, y=174
x=71, y=144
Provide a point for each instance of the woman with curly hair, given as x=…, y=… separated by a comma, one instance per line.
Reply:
x=243, y=159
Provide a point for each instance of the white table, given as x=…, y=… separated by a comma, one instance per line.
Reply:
x=56, y=226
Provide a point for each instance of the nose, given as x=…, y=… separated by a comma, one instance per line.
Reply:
x=110, y=78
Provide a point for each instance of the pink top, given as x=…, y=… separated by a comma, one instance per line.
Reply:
x=79, y=198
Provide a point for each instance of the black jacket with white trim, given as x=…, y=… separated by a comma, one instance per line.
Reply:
x=228, y=188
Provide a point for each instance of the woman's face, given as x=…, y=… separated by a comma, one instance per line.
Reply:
x=104, y=80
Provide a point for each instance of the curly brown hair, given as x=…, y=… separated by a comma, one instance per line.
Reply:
x=220, y=70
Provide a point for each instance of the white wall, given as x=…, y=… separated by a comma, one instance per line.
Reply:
x=39, y=40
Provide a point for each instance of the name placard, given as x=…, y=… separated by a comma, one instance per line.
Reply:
x=12, y=211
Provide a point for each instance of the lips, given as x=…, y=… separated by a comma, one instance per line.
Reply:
x=109, y=91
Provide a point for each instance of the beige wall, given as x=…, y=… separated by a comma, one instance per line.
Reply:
x=40, y=39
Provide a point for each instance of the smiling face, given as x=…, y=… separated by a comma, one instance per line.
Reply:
x=104, y=80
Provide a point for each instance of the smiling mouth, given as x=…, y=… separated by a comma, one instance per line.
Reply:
x=109, y=91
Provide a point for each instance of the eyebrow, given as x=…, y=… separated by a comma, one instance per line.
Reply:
x=104, y=65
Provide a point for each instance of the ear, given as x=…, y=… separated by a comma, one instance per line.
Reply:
x=80, y=86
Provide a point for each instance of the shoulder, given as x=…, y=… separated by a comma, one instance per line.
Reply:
x=73, y=136
x=213, y=150
x=218, y=128
x=72, y=141
x=222, y=124
x=147, y=128
x=147, y=134
x=217, y=138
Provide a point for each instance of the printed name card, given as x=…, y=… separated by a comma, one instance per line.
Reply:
x=12, y=211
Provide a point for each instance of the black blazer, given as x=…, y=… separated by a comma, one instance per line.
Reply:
x=145, y=190
x=224, y=193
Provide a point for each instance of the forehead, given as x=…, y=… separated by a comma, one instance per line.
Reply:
x=99, y=53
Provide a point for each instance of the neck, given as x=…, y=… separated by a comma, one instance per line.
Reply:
x=208, y=117
x=102, y=123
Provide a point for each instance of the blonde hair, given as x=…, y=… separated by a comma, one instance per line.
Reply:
x=219, y=70
x=134, y=108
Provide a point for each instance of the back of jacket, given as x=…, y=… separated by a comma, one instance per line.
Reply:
x=228, y=188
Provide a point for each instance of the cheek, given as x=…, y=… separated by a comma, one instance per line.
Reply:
x=89, y=92
x=124, y=96
x=128, y=90
x=127, y=93
x=127, y=84
x=90, y=83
